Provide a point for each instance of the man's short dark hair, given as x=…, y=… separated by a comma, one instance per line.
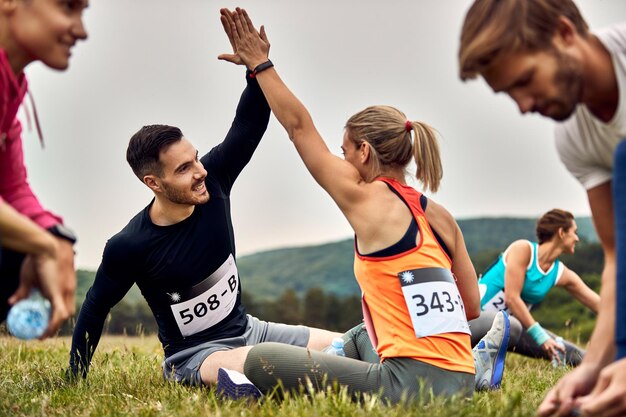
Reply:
x=146, y=145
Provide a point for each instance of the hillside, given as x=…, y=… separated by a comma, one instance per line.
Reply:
x=329, y=266
x=488, y=233
x=266, y=275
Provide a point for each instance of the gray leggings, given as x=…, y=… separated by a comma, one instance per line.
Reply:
x=396, y=379
x=520, y=341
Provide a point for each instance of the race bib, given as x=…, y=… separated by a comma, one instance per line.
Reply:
x=434, y=302
x=496, y=303
x=209, y=302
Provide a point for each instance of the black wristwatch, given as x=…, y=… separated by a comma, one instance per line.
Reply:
x=64, y=232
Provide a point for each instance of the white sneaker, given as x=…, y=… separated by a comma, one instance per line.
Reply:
x=490, y=353
x=235, y=385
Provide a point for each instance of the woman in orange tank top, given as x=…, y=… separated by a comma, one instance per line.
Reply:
x=419, y=286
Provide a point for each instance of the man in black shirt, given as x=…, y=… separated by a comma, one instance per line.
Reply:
x=180, y=250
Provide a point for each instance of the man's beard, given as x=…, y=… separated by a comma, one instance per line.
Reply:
x=568, y=82
x=181, y=197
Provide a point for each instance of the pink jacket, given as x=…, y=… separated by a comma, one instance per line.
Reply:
x=14, y=187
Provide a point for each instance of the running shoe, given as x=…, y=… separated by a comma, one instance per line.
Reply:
x=235, y=385
x=490, y=352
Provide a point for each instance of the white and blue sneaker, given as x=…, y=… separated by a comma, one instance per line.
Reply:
x=490, y=353
x=235, y=385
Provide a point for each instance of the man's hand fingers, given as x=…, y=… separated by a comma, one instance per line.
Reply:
x=604, y=380
x=226, y=26
x=70, y=302
x=247, y=21
x=607, y=403
x=230, y=26
x=263, y=36
x=549, y=404
x=229, y=57
x=67, y=275
x=240, y=25
x=22, y=292
x=228, y=23
x=567, y=395
x=58, y=315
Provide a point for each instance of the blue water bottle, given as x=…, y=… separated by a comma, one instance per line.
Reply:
x=561, y=355
x=28, y=318
x=336, y=347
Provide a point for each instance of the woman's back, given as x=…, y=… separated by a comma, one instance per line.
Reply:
x=411, y=297
x=382, y=218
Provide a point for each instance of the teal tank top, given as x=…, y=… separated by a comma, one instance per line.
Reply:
x=537, y=283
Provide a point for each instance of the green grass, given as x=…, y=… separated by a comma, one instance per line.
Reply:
x=125, y=380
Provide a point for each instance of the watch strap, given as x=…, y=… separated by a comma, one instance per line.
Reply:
x=261, y=67
x=64, y=232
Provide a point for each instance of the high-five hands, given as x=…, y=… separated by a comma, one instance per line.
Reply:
x=250, y=47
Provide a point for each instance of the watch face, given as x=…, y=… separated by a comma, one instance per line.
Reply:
x=63, y=231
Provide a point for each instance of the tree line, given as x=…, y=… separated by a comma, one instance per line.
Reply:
x=316, y=309
x=321, y=307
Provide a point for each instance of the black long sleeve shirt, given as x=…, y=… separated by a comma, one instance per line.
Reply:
x=187, y=271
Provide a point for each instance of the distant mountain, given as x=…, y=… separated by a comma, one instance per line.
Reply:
x=329, y=266
x=266, y=275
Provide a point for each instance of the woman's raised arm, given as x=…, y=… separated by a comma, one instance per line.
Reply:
x=338, y=177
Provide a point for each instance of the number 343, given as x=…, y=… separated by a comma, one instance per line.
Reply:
x=441, y=301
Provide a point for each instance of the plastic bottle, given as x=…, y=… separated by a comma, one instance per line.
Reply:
x=336, y=347
x=28, y=318
x=561, y=355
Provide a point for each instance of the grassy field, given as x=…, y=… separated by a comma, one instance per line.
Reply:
x=125, y=380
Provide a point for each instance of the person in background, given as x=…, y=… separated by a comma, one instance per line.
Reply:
x=37, y=248
x=544, y=56
x=522, y=276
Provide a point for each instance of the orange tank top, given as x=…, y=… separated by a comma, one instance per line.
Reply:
x=412, y=299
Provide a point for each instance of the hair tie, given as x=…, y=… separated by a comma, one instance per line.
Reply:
x=408, y=125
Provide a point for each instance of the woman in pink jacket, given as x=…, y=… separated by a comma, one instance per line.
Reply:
x=37, y=249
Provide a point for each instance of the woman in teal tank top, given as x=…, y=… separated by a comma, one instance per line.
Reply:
x=522, y=276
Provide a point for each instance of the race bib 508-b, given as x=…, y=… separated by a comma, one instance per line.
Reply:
x=209, y=302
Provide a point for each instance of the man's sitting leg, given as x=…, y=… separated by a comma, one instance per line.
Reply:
x=320, y=339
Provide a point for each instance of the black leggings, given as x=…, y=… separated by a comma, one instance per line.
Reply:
x=396, y=379
x=10, y=266
x=520, y=341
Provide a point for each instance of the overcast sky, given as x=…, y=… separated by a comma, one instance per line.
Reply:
x=155, y=61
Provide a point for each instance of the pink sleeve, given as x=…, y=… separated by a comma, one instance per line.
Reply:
x=14, y=187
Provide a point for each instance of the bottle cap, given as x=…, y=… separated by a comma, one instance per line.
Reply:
x=337, y=343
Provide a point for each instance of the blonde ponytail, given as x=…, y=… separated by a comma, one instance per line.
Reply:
x=427, y=156
x=387, y=132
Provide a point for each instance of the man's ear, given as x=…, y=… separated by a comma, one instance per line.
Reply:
x=152, y=181
x=565, y=33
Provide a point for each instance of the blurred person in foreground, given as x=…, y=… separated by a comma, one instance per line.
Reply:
x=37, y=248
x=544, y=56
